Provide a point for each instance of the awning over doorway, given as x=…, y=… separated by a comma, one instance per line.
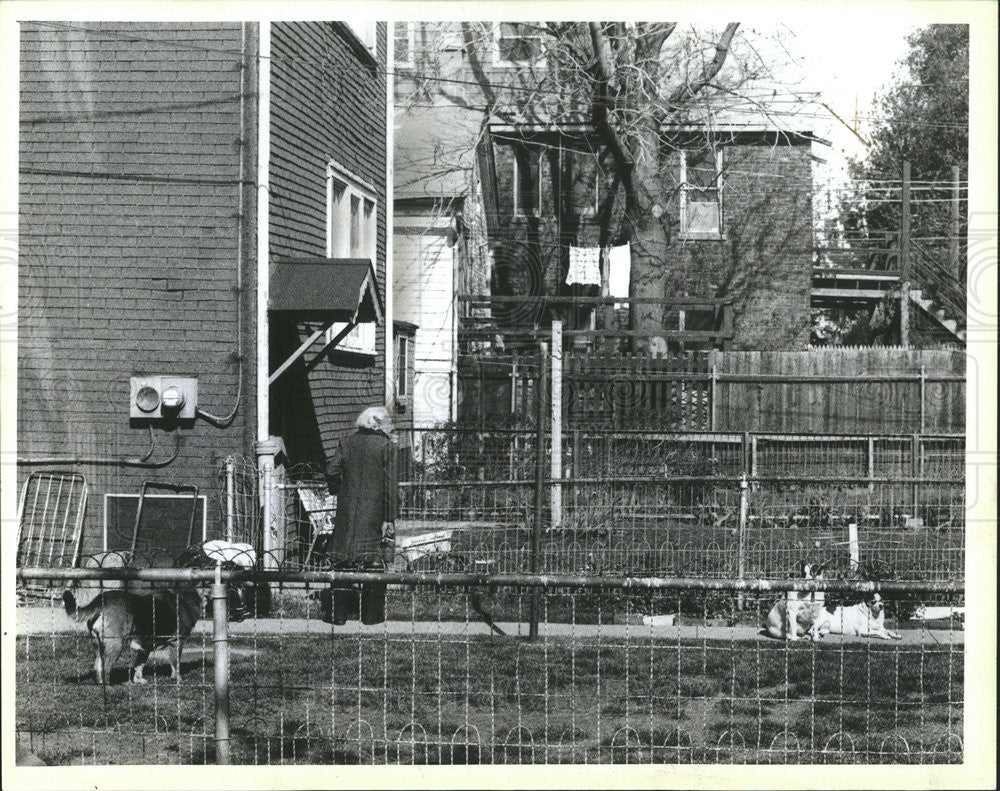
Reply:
x=326, y=289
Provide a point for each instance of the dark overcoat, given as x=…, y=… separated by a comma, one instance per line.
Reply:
x=364, y=478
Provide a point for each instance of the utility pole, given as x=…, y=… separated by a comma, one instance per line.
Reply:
x=904, y=261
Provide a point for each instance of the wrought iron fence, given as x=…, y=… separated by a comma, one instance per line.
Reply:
x=622, y=670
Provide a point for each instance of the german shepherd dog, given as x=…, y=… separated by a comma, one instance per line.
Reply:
x=118, y=619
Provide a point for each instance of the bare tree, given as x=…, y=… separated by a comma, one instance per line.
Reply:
x=628, y=83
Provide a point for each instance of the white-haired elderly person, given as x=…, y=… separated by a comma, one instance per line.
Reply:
x=364, y=478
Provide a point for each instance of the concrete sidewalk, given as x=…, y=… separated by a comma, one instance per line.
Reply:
x=52, y=620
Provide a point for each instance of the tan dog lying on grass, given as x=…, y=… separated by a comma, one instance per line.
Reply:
x=794, y=614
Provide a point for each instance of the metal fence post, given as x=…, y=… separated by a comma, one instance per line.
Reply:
x=713, y=397
x=230, y=496
x=541, y=402
x=220, y=655
x=741, y=549
x=923, y=402
x=555, y=458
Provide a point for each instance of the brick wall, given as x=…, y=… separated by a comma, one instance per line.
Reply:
x=129, y=242
x=328, y=102
x=763, y=263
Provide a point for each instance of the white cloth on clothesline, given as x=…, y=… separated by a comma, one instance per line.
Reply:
x=619, y=268
x=584, y=266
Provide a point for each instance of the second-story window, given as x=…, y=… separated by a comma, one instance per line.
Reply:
x=701, y=194
x=517, y=43
x=403, y=43
x=351, y=232
x=527, y=182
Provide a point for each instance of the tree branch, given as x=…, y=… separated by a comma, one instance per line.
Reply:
x=688, y=90
x=601, y=101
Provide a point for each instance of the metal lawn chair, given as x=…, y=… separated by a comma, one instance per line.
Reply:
x=321, y=508
x=50, y=522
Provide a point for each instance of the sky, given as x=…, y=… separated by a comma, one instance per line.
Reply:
x=848, y=64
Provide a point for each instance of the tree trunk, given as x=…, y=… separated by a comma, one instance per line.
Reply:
x=647, y=221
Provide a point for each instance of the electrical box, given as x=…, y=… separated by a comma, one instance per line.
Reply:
x=163, y=397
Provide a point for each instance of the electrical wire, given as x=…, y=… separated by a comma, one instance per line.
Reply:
x=224, y=422
x=447, y=80
x=143, y=462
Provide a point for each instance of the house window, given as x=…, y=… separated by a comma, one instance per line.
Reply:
x=517, y=44
x=701, y=194
x=527, y=182
x=352, y=232
x=404, y=367
x=586, y=177
x=403, y=43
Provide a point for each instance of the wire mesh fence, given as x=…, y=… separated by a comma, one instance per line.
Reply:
x=670, y=671
x=641, y=503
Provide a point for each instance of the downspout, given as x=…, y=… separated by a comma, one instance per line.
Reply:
x=390, y=346
x=266, y=448
x=263, y=229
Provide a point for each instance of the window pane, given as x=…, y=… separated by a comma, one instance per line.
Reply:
x=701, y=169
x=702, y=217
x=357, y=240
x=518, y=42
x=339, y=230
x=586, y=183
x=401, y=35
x=526, y=197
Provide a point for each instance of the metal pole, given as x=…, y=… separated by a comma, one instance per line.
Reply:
x=904, y=260
x=742, y=534
x=915, y=471
x=713, y=398
x=267, y=509
x=541, y=399
x=220, y=654
x=871, y=464
x=923, y=403
x=230, y=496
x=450, y=580
x=955, y=218
x=555, y=455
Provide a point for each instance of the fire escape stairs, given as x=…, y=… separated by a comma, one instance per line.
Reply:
x=938, y=313
x=939, y=290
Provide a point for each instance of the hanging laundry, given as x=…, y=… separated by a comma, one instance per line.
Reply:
x=584, y=266
x=619, y=268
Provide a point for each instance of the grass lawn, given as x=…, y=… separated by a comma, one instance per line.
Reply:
x=427, y=699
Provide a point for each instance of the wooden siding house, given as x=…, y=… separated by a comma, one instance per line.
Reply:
x=195, y=200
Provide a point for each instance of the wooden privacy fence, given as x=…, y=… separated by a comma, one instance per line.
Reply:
x=872, y=390
x=827, y=391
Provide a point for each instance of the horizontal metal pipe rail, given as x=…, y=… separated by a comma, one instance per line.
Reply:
x=665, y=479
x=697, y=436
x=457, y=580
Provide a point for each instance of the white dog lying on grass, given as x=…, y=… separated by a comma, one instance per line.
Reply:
x=864, y=619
